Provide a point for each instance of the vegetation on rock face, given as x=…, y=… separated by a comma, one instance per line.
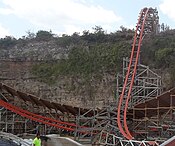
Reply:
x=159, y=53
x=44, y=35
x=7, y=42
x=92, y=54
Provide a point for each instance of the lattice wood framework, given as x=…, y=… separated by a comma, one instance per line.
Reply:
x=155, y=118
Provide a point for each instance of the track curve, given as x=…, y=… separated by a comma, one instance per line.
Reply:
x=146, y=22
x=39, y=118
x=145, y=25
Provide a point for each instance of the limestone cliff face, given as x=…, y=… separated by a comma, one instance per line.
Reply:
x=15, y=71
x=34, y=51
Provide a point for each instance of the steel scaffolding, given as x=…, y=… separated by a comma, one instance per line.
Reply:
x=147, y=84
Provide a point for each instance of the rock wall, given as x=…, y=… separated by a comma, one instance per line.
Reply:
x=15, y=71
x=35, y=51
x=17, y=74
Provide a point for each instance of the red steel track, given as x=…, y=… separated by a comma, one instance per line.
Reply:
x=145, y=16
x=141, y=30
x=35, y=117
x=39, y=118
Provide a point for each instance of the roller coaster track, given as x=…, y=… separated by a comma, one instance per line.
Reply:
x=38, y=118
x=40, y=102
x=147, y=22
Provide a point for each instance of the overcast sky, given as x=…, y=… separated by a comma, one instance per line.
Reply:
x=69, y=16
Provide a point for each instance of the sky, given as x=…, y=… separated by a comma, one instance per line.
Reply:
x=17, y=17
